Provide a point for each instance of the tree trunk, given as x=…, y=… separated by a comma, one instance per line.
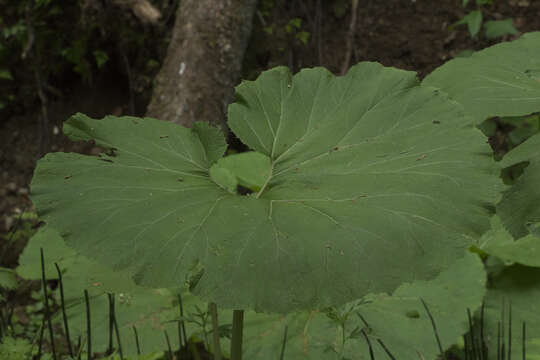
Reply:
x=203, y=62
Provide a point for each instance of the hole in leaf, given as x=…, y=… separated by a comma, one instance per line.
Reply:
x=243, y=190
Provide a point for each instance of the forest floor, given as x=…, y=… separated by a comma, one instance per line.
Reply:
x=407, y=34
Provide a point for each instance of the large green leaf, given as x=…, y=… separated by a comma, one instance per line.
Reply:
x=400, y=321
x=503, y=80
x=520, y=204
x=368, y=171
x=149, y=310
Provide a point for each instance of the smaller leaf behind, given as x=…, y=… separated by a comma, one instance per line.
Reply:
x=212, y=140
x=499, y=28
x=520, y=204
x=498, y=242
x=249, y=170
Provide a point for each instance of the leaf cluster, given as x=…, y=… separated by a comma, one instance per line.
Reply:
x=359, y=213
x=475, y=22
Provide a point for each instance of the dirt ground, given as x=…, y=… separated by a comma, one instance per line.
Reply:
x=408, y=34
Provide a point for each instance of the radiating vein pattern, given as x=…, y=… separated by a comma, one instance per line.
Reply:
x=365, y=181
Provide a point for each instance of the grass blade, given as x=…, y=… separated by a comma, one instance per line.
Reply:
x=136, y=340
x=215, y=334
x=182, y=320
x=282, y=355
x=523, y=341
x=371, y=356
x=88, y=325
x=63, y=306
x=509, y=330
x=116, y=329
x=471, y=334
x=434, y=328
x=168, y=344
x=46, y=300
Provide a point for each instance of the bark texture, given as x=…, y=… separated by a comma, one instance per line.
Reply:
x=203, y=62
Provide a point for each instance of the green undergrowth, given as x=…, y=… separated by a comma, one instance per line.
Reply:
x=370, y=219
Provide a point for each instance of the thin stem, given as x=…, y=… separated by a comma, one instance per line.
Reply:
x=116, y=329
x=471, y=332
x=111, y=324
x=523, y=341
x=168, y=344
x=390, y=355
x=282, y=355
x=369, y=344
x=88, y=325
x=434, y=328
x=137, y=340
x=41, y=330
x=237, y=333
x=63, y=306
x=509, y=329
x=46, y=300
x=483, y=341
x=181, y=307
x=215, y=333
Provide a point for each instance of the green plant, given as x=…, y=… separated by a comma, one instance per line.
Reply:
x=15, y=348
x=356, y=187
x=492, y=28
x=328, y=333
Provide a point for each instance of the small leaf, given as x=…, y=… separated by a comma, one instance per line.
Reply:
x=5, y=74
x=473, y=21
x=212, y=139
x=8, y=278
x=499, y=28
x=101, y=58
x=303, y=36
x=224, y=178
x=250, y=169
